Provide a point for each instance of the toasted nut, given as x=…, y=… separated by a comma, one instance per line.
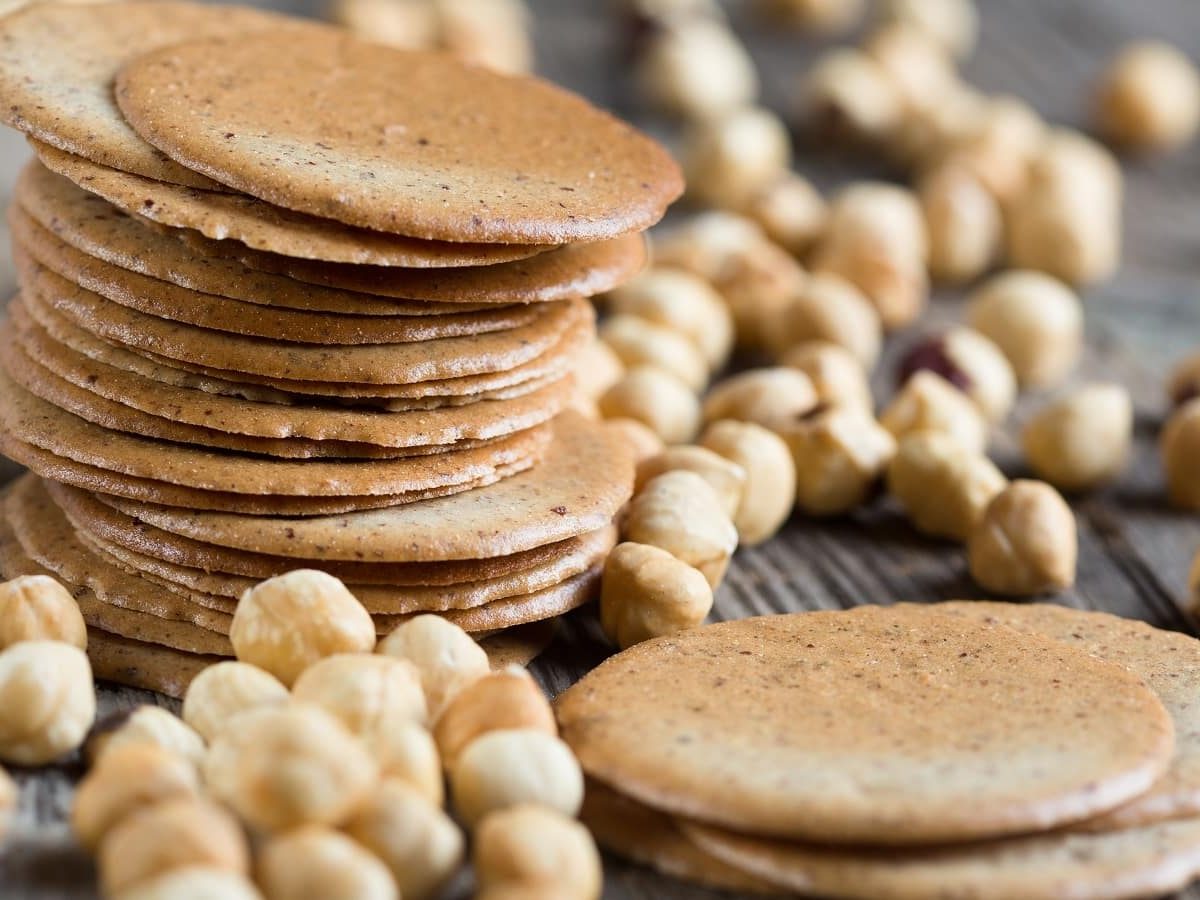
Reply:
x=770, y=476
x=683, y=302
x=406, y=751
x=598, y=369
x=409, y=25
x=506, y=768
x=447, y=658
x=1025, y=544
x=1081, y=440
x=943, y=486
x=917, y=66
x=830, y=308
x=726, y=478
x=712, y=245
x=848, y=94
x=506, y=699
x=1179, y=446
x=492, y=33
x=928, y=135
x=223, y=690
x=839, y=456
x=1149, y=99
x=364, y=691
x=658, y=400
x=175, y=834
x=637, y=437
x=680, y=513
x=317, y=863
x=128, y=779
x=287, y=766
x=953, y=24
x=47, y=701
x=532, y=846
x=928, y=402
x=727, y=159
x=38, y=608
x=970, y=362
x=638, y=342
x=1184, y=383
x=770, y=397
x=647, y=593
x=696, y=68
x=144, y=725
x=194, y=883
x=9, y=795
x=287, y=623
x=837, y=376
x=414, y=838
x=1035, y=320
x=790, y=210
x=997, y=142
x=816, y=16
x=964, y=220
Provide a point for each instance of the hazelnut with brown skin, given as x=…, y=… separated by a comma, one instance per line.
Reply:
x=38, y=608
x=1179, y=446
x=529, y=847
x=970, y=362
x=839, y=455
x=830, y=308
x=838, y=378
x=1081, y=440
x=928, y=402
x=771, y=397
x=656, y=399
x=848, y=96
x=1149, y=99
x=1184, y=382
x=770, y=476
x=696, y=68
x=726, y=160
x=646, y=593
x=1026, y=542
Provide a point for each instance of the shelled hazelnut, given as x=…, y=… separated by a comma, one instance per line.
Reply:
x=491, y=33
x=317, y=863
x=597, y=369
x=847, y=95
x=680, y=513
x=928, y=402
x=365, y=692
x=144, y=724
x=943, y=486
x=926, y=136
x=656, y=399
x=412, y=24
x=770, y=476
x=223, y=690
x=1179, y=446
x=38, y=608
x=726, y=478
x=696, y=68
x=287, y=623
x=953, y=24
x=533, y=847
x=502, y=700
x=415, y=839
x=839, y=455
x=638, y=342
x=1183, y=385
x=9, y=795
x=637, y=437
x=815, y=16
x=646, y=593
x=727, y=159
x=1193, y=587
x=1026, y=542
x=407, y=752
x=1035, y=320
x=970, y=362
x=47, y=701
x=830, y=308
x=916, y=64
x=447, y=659
x=997, y=142
x=194, y=883
x=1081, y=440
x=964, y=221
x=837, y=376
x=790, y=210
x=771, y=397
x=1149, y=98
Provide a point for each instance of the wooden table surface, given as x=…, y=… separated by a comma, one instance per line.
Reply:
x=1134, y=553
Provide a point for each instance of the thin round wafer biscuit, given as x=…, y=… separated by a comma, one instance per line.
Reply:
x=381, y=144
x=866, y=728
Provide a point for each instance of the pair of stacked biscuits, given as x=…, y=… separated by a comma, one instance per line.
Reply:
x=957, y=750
x=292, y=300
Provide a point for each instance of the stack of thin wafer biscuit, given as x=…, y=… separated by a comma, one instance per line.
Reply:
x=289, y=299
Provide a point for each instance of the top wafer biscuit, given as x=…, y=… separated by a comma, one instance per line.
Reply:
x=397, y=141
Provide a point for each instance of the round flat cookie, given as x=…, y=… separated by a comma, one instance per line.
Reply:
x=58, y=62
x=518, y=646
x=219, y=215
x=865, y=727
x=403, y=142
x=584, y=478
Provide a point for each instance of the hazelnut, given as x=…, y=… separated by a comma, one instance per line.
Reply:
x=790, y=210
x=839, y=455
x=696, y=68
x=726, y=478
x=997, y=142
x=943, y=486
x=128, y=779
x=47, y=701
x=848, y=95
x=506, y=699
x=194, y=883
x=683, y=302
x=9, y=795
x=916, y=65
x=144, y=724
x=877, y=214
x=1025, y=544
x=38, y=608
x=1149, y=99
x=223, y=690
x=680, y=513
x=1081, y=440
x=928, y=402
x=658, y=400
x=534, y=846
x=1035, y=320
x=317, y=863
x=1193, y=590
x=413, y=838
x=964, y=221
x=406, y=751
x=727, y=159
x=287, y=766
x=770, y=397
x=447, y=659
x=770, y=476
x=411, y=25
x=837, y=376
x=598, y=369
x=506, y=768
x=174, y=834
x=928, y=134
x=491, y=33
x=647, y=593
x=1184, y=383
x=952, y=24
x=364, y=691
x=638, y=342
x=830, y=308
x=970, y=362
x=637, y=437
x=287, y=623
x=815, y=16
x=1179, y=446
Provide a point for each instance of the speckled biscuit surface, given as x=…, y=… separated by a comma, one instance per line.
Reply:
x=372, y=136
x=866, y=727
